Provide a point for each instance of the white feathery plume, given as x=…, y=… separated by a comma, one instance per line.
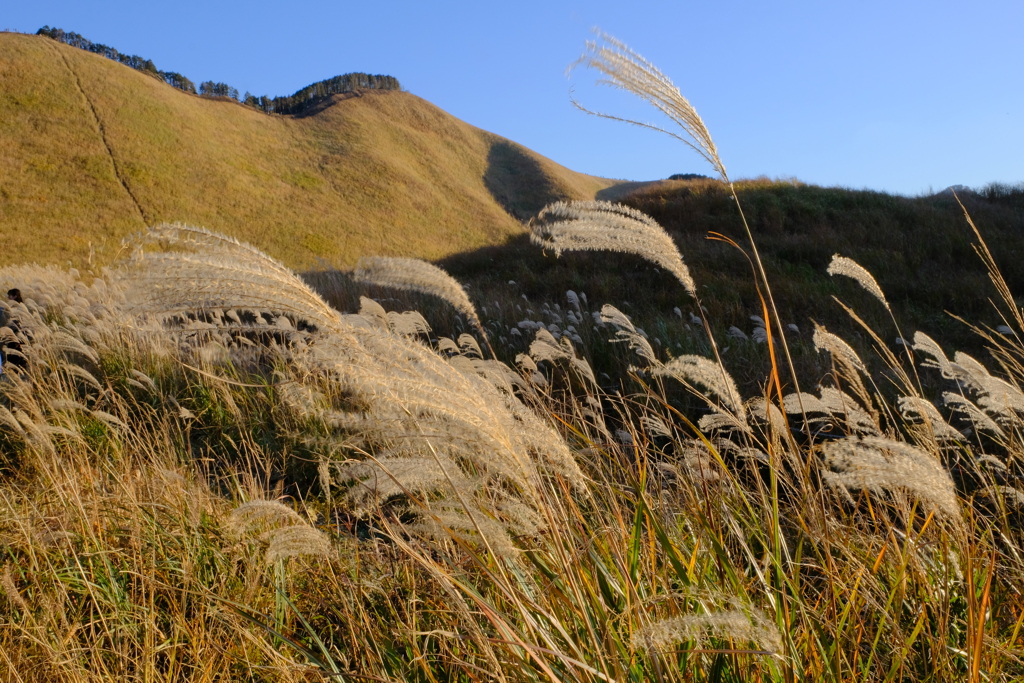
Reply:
x=628, y=333
x=720, y=420
x=417, y=276
x=210, y=271
x=296, y=540
x=926, y=345
x=603, y=226
x=804, y=402
x=995, y=396
x=373, y=312
x=736, y=333
x=840, y=350
x=1011, y=497
x=976, y=415
x=841, y=403
x=626, y=70
x=749, y=626
x=611, y=315
x=697, y=370
x=655, y=425
x=285, y=531
x=915, y=407
x=878, y=464
x=256, y=516
x=469, y=347
x=526, y=362
x=842, y=265
x=546, y=348
x=408, y=323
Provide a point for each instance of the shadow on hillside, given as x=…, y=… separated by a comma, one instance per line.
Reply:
x=325, y=103
x=619, y=191
x=517, y=181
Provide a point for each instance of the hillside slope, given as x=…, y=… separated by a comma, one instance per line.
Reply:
x=91, y=151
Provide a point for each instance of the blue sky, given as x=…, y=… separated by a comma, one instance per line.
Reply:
x=898, y=96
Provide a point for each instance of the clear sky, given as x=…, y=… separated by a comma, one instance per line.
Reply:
x=898, y=95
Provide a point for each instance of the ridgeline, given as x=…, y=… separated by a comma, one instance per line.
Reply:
x=95, y=150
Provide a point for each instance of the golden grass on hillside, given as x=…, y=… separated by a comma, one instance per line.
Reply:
x=387, y=173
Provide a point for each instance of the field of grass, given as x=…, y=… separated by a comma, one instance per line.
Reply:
x=919, y=248
x=215, y=470
x=94, y=151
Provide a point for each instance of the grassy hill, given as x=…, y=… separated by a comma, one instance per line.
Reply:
x=92, y=151
x=920, y=249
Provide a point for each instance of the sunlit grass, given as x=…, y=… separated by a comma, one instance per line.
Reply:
x=209, y=473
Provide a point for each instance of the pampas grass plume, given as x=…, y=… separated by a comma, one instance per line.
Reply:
x=626, y=70
x=842, y=265
x=662, y=636
x=604, y=226
x=419, y=276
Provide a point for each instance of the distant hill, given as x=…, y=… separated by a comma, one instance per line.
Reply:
x=93, y=150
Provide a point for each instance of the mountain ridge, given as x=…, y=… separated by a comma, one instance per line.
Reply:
x=94, y=151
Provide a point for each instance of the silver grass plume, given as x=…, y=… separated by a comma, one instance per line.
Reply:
x=373, y=312
x=769, y=413
x=699, y=462
x=926, y=345
x=476, y=527
x=878, y=464
x=626, y=332
x=546, y=348
x=408, y=323
x=842, y=265
x=285, y=531
x=840, y=350
x=1011, y=497
x=296, y=540
x=917, y=408
x=604, y=226
x=256, y=516
x=626, y=70
x=857, y=417
x=959, y=404
x=748, y=626
x=210, y=271
x=419, y=276
x=412, y=403
x=697, y=370
x=469, y=347
x=389, y=476
x=804, y=402
x=655, y=425
x=832, y=402
x=996, y=396
x=845, y=360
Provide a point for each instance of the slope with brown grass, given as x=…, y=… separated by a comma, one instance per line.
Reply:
x=93, y=151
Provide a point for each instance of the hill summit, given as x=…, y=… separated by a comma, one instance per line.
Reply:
x=94, y=151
